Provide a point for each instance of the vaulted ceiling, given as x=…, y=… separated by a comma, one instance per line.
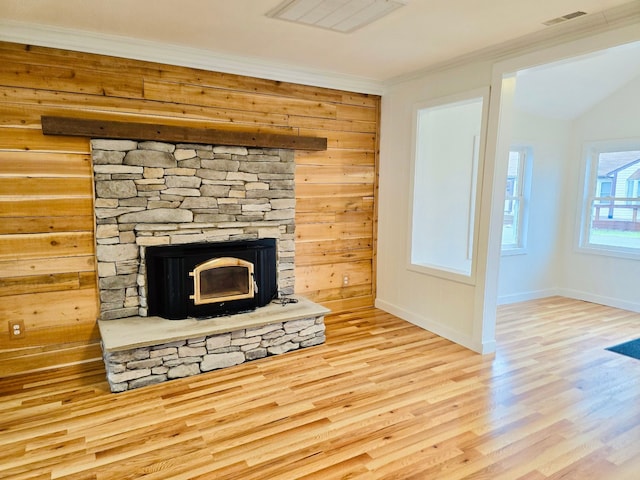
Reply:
x=566, y=89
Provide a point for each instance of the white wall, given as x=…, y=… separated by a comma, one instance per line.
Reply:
x=552, y=264
x=446, y=307
x=536, y=272
x=464, y=313
x=602, y=279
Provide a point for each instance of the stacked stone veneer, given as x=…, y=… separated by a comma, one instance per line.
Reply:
x=155, y=193
x=139, y=367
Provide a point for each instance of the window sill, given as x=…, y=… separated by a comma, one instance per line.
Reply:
x=507, y=252
x=467, y=278
x=609, y=252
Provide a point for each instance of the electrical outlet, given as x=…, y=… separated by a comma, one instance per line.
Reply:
x=16, y=329
x=345, y=280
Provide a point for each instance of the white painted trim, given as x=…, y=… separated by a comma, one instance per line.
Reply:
x=600, y=299
x=437, y=328
x=526, y=296
x=442, y=271
x=570, y=293
x=126, y=47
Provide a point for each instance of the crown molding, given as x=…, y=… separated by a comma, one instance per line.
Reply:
x=614, y=18
x=136, y=49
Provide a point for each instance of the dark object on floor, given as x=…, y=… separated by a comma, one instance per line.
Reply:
x=630, y=349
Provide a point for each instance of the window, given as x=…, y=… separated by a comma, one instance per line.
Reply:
x=611, y=223
x=604, y=187
x=633, y=185
x=445, y=175
x=515, y=200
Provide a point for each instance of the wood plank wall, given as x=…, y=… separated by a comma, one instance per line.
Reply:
x=47, y=262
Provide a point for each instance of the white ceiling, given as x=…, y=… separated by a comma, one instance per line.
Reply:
x=236, y=36
x=418, y=35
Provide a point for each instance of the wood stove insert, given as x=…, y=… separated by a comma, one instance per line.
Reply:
x=210, y=279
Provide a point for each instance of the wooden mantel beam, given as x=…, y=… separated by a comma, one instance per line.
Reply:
x=82, y=127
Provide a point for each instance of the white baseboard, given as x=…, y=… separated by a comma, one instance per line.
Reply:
x=600, y=299
x=489, y=347
x=570, y=293
x=525, y=296
x=436, y=327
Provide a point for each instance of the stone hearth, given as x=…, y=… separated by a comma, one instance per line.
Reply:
x=141, y=351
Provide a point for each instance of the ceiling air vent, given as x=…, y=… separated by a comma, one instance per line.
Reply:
x=564, y=18
x=338, y=15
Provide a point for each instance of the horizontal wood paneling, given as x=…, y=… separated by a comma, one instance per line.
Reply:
x=46, y=245
x=47, y=264
x=356, y=113
x=340, y=217
x=345, y=140
x=318, y=256
x=332, y=231
x=70, y=79
x=19, y=165
x=52, y=282
x=31, y=186
x=332, y=205
x=308, y=190
x=38, y=206
x=331, y=124
x=30, y=139
x=38, y=358
x=65, y=330
x=176, y=74
x=46, y=224
x=321, y=277
x=47, y=309
x=67, y=315
x=336, y=157
x=333, y=248
x=329, y=174
x=346, y=303
x=230, y=100
x=141, y=110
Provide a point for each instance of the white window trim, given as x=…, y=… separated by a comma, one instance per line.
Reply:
x=526, y=172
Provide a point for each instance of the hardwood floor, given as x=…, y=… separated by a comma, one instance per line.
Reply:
x=382, y=399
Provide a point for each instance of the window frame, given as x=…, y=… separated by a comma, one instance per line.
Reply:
x=523, y=200
x=591, y=186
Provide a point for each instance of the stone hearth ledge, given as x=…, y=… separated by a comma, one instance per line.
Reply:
x=135, y=332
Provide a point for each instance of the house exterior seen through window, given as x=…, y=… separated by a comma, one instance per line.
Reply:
x=611, y=222
x=514, y=221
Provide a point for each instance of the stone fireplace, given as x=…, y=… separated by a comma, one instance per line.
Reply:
x=155, y=196
x=154, y=193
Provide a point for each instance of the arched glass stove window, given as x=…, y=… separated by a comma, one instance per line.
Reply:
x=222, y=279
